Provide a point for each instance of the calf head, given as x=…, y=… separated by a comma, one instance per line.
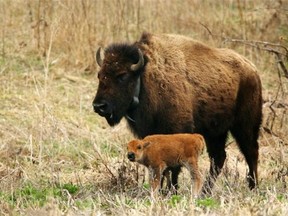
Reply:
x=136, y=150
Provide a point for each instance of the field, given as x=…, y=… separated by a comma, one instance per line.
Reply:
x=57, y=157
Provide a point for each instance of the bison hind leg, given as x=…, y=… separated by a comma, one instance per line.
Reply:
x=246, y=138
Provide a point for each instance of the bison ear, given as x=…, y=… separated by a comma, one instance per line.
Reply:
x=146, y=144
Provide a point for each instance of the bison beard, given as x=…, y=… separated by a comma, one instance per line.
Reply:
x=183, y=86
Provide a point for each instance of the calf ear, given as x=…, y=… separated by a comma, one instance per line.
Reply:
x=146, y=144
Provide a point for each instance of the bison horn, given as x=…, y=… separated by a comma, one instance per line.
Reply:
x=139, y=64
x=98, y=57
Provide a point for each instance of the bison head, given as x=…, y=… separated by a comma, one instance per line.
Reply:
x=119, y=81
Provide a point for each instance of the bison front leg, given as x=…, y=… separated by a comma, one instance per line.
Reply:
x=175, y=173
x=172, y=180
x=217, y=155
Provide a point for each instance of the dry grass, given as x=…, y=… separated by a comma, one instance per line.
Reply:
x=57, y=157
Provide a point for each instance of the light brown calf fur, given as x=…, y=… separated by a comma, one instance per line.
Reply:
x=164, y=153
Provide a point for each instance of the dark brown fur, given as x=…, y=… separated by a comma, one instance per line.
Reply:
x=164, y=153
x=186, y=87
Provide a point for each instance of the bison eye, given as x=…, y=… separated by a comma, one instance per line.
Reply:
x=122, y=77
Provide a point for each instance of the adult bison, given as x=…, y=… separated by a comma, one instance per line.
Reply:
x=165, y=84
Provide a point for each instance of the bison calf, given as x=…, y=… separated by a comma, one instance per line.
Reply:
x=164, y=153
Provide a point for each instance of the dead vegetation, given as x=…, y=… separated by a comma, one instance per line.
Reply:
x=59, y=158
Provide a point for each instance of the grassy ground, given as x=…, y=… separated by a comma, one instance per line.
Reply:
x=59, y=158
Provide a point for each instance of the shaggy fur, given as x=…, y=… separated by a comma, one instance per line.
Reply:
x=186, y=87
x=164, y=153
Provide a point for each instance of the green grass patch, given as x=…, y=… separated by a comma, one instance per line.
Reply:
x=207, y=203
x=174, y=200
x=71, y=188
x=282, y=198
x=146, y=185
x=30, y=195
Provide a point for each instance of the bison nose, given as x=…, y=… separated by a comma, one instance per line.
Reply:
x=131, y=156
x=102, y=108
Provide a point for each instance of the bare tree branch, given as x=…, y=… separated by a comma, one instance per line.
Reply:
x=263, y=45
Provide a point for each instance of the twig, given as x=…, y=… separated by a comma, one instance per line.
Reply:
x=277, y=53
x=210, y=33
x=282, y=65
x=263, y=45
x=256, y=44
x=104, y=162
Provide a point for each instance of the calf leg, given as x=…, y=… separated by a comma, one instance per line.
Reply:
x=192, y=166
x=167, y=176
x=217, y=154
x=155, y=175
